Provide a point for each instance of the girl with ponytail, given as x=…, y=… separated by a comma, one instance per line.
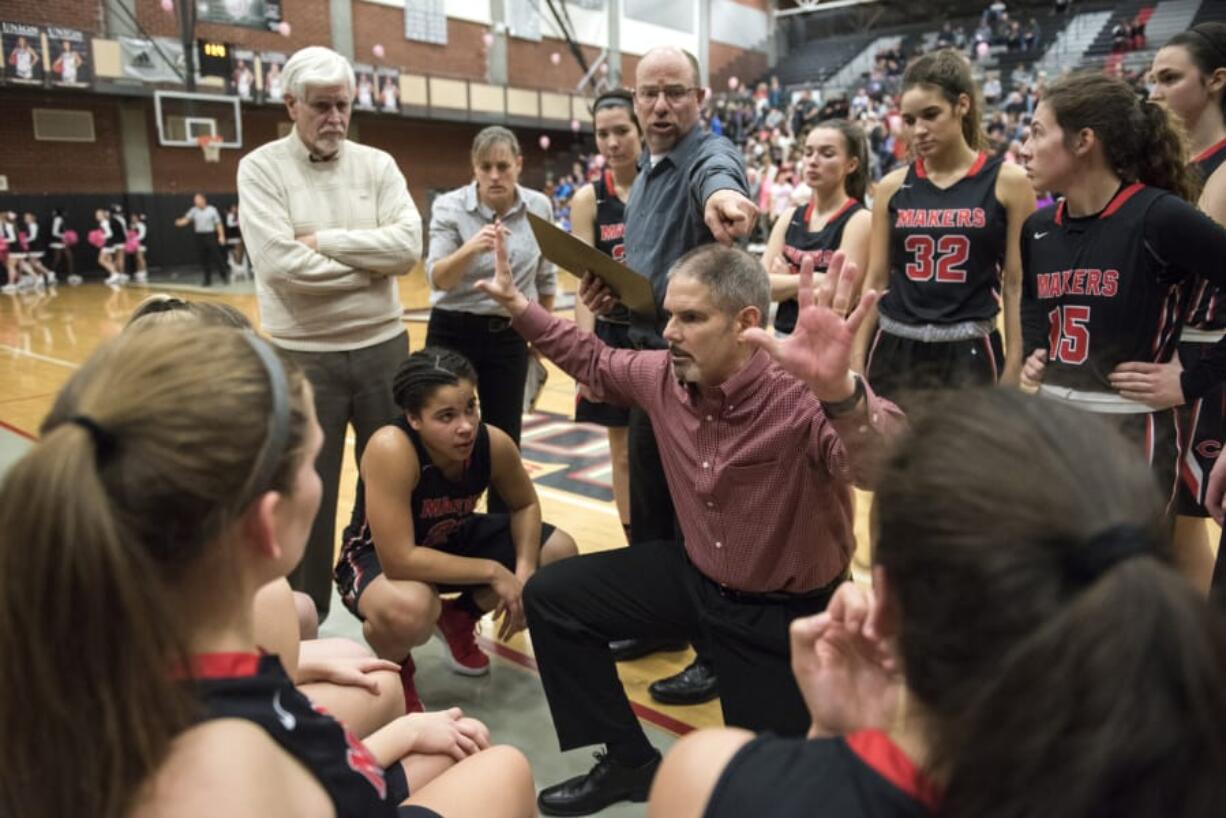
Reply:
x=1189, y=77
x=1108, y=269
x=133, y=538
x=1027, y=654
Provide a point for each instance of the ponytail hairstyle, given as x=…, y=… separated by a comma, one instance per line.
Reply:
x=423, y=372
x=1206, y=45
x=856, y=182
x=1141, y=140
x=618, y=98
x=126, y=496
x=949, y=72
x=160, y=308
x=1064, y=670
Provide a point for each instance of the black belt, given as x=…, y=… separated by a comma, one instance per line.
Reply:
x=775, y=597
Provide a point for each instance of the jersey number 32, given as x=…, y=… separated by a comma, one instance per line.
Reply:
x=949, y=253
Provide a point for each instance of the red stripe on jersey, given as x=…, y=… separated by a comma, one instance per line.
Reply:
x=920, y=170
x=1060, y=213
x=224, y=665
x=1120, y=198
x=978, y=166
x=847, y=205
x=610, y=185
x=1210, y=151
x=878, y=751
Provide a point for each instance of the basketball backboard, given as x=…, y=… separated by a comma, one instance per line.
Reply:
x=183, y=117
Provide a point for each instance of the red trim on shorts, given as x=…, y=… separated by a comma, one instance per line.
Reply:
x=987, y=344
x=879, y=751
x=868, y=361
x=1120, y=198
x=1210, y=151
x=224, y=665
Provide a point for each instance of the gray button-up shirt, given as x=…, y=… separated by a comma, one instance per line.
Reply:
x=664, y=212
x=457, y=216
x=204, y=219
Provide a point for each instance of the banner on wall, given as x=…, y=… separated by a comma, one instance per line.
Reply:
x=24, y=58
x=156, y=60
x=71, y=57
x=264, y=15
x=366, y=91
x=272, y=63
x=389, y=90
x=241, y=82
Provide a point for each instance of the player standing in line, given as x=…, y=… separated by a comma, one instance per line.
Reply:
x=598, y=216
x=944, y=240
x=836, y=169
x=1107, y=269
x=1188, y=77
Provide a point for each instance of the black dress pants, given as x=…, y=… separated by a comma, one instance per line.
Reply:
x=500, y=356
x=575, y=607
x=208, y=253
x=652, y=516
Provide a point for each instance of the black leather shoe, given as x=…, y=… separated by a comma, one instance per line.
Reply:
x=606, y=783
x=626, y=649
x=694, y=685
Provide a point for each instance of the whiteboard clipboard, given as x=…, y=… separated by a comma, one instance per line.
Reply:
x=577, y=257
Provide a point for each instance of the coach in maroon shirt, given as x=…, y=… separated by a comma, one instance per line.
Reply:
x=760, y=440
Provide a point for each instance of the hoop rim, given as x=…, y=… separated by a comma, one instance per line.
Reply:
x=210, y=144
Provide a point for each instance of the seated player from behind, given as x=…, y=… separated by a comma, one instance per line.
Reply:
x=415, y=532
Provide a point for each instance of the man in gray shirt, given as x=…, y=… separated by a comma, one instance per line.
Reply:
x=210, y=236
x=691, y=190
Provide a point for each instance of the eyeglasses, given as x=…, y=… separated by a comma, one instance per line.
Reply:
x=673, y=94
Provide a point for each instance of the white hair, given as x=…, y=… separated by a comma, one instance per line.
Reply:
x=315, y=65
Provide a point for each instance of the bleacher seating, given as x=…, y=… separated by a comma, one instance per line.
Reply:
x=814, y=62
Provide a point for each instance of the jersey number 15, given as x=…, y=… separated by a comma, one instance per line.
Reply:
x=952, y=250
x=1069, y=335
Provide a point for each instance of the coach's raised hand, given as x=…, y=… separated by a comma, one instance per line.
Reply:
x=818, y=351
x=501, y=286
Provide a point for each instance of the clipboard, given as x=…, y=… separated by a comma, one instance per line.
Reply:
x=577, y=256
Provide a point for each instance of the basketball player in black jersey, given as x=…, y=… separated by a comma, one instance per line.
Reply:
x=946, y=689
x=415, y=531
x=836, y=169
x=598, y=216
x=944, y=246
x=161, y=584
x=1109, y=267
x=1188, y=76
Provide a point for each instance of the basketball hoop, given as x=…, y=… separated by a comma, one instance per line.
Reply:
x=211, y=146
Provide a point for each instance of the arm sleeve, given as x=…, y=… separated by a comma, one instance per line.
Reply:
x=718, y=167
x=394, y=246
x=620, y=376
x=852, y=447
x=445, y=237
x=1185, y=240
x=280, y=259
x=546, y=271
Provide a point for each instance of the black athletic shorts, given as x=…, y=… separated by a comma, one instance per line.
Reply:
x=898, y=367
x=483, y=536
x=1202, y=430
x=1155, y=435
x=606, y=414
x=398, y=790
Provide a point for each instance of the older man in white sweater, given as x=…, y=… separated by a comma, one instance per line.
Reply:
x=330, y=225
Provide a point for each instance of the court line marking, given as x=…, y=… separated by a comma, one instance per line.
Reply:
x=575, y=500
x=40, y=357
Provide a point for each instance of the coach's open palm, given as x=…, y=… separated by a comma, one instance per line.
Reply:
x=818, y=351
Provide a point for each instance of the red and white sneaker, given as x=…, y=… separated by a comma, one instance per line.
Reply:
x=458, y=630
x=412, y=702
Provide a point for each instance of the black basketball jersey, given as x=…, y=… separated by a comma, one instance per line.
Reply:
x=861, y=775
x=1206, y=310
x=439, y=505
x=946, y=247
x=256, y=688
x=1106, y=296
x=800, y=242
x=610, y=232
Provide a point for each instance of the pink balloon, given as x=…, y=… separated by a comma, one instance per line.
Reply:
x=283, y=28
x=168, y=6
x=544, y=141
x=575, y=125
x=733, y=82
x=488, y=39
x=378, y=51
x=555, y=58
x=598, y=160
